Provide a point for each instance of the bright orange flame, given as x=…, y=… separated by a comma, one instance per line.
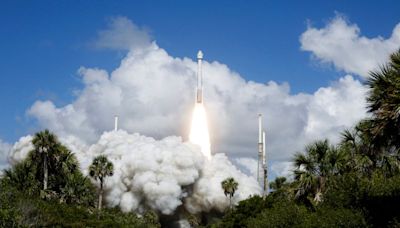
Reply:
x=199, y=134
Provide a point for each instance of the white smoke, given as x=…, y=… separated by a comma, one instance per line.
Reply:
x=4, y=150
x=207, y=192
x=157, y=174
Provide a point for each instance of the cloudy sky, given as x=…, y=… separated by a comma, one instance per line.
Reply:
x=72, y=67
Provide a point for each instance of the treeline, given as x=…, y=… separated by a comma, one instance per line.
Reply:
x=353, y=184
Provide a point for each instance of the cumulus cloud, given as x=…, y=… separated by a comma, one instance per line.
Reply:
x=340, y=43
x=282, y=169
x=21, y=149
x=247, y=164
x=153, y=93
x=4, y=150
x=122, y=34
x=159, y=174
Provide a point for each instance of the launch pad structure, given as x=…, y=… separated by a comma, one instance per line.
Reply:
x=262, y=169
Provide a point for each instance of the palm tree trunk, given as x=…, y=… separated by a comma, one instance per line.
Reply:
x=45, y=172
x=230, y=202
x=100, y=194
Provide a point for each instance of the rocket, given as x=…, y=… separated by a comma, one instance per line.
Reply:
x=199, y=91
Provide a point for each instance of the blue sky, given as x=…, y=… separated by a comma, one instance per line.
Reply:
x=43, y=43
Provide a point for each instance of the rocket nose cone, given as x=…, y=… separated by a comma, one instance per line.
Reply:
x=200, y=54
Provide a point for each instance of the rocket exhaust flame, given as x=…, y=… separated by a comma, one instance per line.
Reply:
x=199, y=134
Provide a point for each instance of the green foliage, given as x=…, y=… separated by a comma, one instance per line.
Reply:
x=229, y=185
x=278, y=184
x=78, y=190
x=101, y=168
x=333, y=217
x=384, y=103
x=244, y=211
x=378, y=197
x=17, y=209
x=279, y=212
x=151, y=218
x=313, y=167
x=66, y=182
x=22, y=176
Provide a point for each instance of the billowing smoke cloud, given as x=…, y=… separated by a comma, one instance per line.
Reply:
x=207, y=195
x=158, y=174
x=341, y=44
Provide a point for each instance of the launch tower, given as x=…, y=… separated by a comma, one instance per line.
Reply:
x=262, y=171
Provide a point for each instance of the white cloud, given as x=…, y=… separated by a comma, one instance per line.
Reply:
x=282, y=169
x=153, y=93
x=341, y=44
x=21, y=149
x=248, y=164
x=4, y=150
x=122, y=34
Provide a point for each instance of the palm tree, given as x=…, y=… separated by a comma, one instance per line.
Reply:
x=362, y=157
x=229, y=186
x=44, y=143
x=278, y=184
x=312, y=168
x=100, y=168
x=384, y=103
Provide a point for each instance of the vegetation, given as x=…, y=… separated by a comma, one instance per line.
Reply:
x=100, y=169
x=47, y=189
x=355, y=183
x=229, y=186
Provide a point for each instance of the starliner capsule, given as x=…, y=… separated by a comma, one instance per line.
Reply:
x=199, y=92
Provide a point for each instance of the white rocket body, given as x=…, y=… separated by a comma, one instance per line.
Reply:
x=199, y=91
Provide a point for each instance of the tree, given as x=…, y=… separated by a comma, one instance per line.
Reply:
x=100, y=168
x=365, y=155
x=44, y=143
x=229, y=186
x=278, y=184
x=65, y=181
x=384, y=103
x=313, y=167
